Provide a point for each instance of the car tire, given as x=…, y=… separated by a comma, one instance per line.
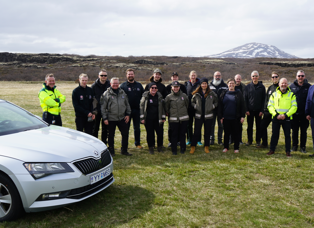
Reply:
x=10, y=201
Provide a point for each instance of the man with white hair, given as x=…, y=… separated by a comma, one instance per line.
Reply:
x=241, y=87
x=217, y=85
x=116, y=111
x=282, y=105
x=254, y=96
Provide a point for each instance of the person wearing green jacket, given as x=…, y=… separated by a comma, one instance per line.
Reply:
x=50, y=101
x=204, y=101
x=176, y=105
x=282, y=105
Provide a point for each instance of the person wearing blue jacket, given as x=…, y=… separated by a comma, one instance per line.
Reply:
x=309, y=110
x=134, y=90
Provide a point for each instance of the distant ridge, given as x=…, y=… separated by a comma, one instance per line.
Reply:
x=254, y=50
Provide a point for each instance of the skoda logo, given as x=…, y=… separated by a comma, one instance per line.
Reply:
x=96, y=153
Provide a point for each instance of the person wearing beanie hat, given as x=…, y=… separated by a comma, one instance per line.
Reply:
x=153, y=116
x=204, y=101
x=157, y=79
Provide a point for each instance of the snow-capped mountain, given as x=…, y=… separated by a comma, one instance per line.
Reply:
x=254, y=50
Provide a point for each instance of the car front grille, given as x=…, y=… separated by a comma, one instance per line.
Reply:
x=79, y=193
x=91, y=165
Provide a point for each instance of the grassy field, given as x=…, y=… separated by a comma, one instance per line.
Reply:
x=248, y=189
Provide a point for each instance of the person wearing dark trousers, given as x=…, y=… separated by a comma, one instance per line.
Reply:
x=299, y=121
x=309, y=111
x=267, y=116
x=174, y=77
x=191, y=86
x=282, y=105
x=83, y=99
x=116, y=111
x=204, y=101
x=50, y=101
x=176, y=106
x=157, y=79
x=217, y=85
x=239, y=86
x=254, y=96
x=134, y=90
x=153, y=117
x=231, y=113
x=99, y=87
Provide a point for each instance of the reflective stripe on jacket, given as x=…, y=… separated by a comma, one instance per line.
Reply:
x=176, y=105
x=211, y=103
x=143, y=107
x=280, y=103
x=47, y=98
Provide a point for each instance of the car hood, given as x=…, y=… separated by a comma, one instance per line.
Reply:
x=50, y=144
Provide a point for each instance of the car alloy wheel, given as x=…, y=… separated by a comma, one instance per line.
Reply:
x=10, y=202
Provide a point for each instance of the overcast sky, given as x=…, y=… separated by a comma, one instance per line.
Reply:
x=147, y=27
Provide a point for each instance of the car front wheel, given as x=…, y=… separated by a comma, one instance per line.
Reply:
x=10, y=202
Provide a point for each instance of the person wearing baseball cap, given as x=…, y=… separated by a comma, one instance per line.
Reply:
x=157, y=79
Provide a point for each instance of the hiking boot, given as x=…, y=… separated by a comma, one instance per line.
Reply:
x=206, y=149
x=192, y=150
x=139, y=147
x=270, y=152
x=288, y=154
x=159, y=149
x=151, y=150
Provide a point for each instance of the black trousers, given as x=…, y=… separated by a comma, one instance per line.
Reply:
x=198, y=129
x=170, y=133
x=178, y=128
x=83, y=125
x=220, y=128
x=135, y=116
x=286, y=126
x=153, y=126
x=52, y=119
x=264, y=125
x=124, y=130
x=299, y=122
x=250, y=121
x=231, y=128
x=104, y=132
x=191, y=112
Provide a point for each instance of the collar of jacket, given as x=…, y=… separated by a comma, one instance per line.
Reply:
x=47, y=87
x=176, y=94
x=98, y=82
x=287, y=91
x=112, y=92
x=152, y=79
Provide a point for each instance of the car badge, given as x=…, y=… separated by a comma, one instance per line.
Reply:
x=96, y=153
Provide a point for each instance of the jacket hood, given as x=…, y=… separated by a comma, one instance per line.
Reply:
x=152, y=79
x=97, y=82
x=297, y=84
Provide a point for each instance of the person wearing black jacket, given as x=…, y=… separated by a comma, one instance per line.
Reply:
x=267, y=116
x=191, y=86
x=99, y=87
x=231, y=113
x=157, y=79
x=174, y=77
x=254, y=96
x=218, y=86
x=134, y=90
x=300, y=88
x=82, y=99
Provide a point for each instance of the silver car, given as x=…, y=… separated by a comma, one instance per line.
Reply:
x=44, y=166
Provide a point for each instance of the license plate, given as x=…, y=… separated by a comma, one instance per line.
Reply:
x=99, y=176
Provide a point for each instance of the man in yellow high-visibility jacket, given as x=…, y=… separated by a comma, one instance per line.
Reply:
x=50, y=100
x=282, y=105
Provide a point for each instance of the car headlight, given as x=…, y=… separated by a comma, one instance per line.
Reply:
x=39, y=170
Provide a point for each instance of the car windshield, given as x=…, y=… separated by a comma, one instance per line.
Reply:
x=14, y=119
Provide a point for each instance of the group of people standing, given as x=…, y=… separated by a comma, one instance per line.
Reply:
x=187, y=107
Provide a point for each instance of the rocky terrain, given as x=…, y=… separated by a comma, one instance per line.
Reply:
x=34, y=67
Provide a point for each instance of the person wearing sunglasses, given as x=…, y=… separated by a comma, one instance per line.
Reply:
x=299, y=121
x=176, y=106
x=254, y=96
x=99, y=87
x=267, y=116
x=152, y=114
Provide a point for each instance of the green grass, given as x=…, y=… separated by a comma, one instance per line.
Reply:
x=248, y=189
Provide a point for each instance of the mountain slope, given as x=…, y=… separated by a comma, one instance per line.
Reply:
x=254, y=50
